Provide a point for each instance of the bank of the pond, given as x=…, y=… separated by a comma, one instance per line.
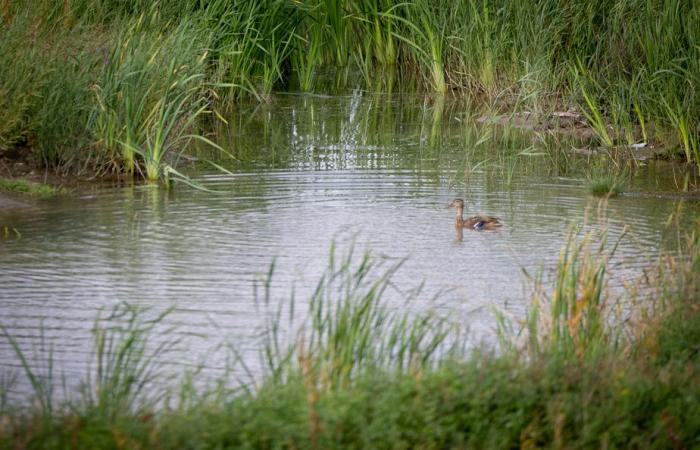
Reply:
x=366, y=377
x=489, y=403
x=117, y=87
x=31, y=188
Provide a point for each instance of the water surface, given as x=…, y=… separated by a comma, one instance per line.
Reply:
x=376, y=172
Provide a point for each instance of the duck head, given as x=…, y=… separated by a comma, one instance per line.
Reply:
x=456, y=203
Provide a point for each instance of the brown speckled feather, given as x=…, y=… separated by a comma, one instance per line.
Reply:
x=478, y=222
x=487, y=222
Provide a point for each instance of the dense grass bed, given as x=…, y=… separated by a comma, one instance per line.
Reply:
x=487, y=403
x=114, y=85
x=364, y=376
x=22, y=186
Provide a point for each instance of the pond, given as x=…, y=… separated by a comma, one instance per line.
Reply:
x=366, y=170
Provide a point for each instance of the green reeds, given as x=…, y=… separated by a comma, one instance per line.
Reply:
x=592, y=111
x=38, y=371
x=150, y=95
x=378, y=30
x=127, y=371
x=352, y=329
x=19, y=82
x=333, y=18
x=425, y=37
x=126, y=376
x=631, y=67
x=306, y=58
x=576, y=323
x=252, y=41
x=359, y=375
x=689, y=137
x=41, y=97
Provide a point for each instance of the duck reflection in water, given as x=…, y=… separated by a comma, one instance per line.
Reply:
x=477, y=223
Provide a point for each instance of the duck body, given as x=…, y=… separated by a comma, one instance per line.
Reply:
x=479, y=222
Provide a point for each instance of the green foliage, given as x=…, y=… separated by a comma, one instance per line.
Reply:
x=358, y=375
x=606, y=186
x=28, y=187
x=351, y=329
x=127, y=370
x=19, y=81
x=150, y=94
x=73, y=74
x=251, y=43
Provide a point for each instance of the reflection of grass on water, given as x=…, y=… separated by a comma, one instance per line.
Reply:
x=361, y=375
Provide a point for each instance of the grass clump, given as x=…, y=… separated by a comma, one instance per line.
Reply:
x=358, y=374
x=30, y=188
x=607, y=186
x=102, y=94
x=149, y=95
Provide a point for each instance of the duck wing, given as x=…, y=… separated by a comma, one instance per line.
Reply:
x=484, y=218
x=483, y=222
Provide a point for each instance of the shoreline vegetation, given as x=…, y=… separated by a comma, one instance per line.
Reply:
x=23, y=186
x=106, y=86
x=94, y=88
x=583, y=369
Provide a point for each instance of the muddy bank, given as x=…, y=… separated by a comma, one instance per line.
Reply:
x=573, y=124
x=25, y=169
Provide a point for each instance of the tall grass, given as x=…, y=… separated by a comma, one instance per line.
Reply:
x=151, y=93
x=351, y=328
x=18, y=88
x=127, y=371
x=572, y=320
x=362, y=373
x=252, y=43
x=425, y=37
x=630, y=66
x=121, y=100
x=42, y=89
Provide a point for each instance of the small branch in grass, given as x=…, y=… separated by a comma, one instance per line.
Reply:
x=6, y=11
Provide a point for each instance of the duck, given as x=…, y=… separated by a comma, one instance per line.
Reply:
x=478, y=223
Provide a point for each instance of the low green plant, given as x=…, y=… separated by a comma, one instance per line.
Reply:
x=606, y=186
x=28, y=187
